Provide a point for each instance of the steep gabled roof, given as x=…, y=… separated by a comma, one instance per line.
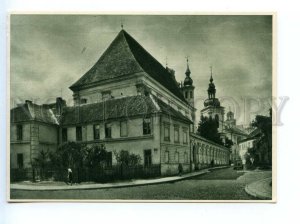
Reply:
x=124, y=107
x=126, y=56
x=32, y=112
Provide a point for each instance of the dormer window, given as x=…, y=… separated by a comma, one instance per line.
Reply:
x=106, y=95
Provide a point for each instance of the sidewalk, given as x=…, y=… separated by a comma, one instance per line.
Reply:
x=260, y=189
x=130, y=183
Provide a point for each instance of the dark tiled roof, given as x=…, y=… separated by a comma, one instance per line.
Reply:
x=32, y=112
x=170, y=111
x=126, y=56
x=124, y=107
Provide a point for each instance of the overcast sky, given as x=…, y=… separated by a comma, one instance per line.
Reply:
x=50, y=52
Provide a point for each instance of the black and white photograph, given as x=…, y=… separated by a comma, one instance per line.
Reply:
x=141, y=108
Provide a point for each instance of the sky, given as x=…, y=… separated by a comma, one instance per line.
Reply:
x=48, y=53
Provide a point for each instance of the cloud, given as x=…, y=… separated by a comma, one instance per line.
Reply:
x=47, y=51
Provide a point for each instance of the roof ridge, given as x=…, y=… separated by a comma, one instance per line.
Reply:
x=103, y=55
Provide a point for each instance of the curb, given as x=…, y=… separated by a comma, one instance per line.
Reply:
x=96, y=186
x=249, y=190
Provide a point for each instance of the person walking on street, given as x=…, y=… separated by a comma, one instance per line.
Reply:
x=70, y=176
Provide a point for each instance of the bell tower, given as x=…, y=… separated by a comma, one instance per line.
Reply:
x=188, y=88
x=212, y=105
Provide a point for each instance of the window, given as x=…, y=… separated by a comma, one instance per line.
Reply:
x=147, y=158
x=147, y=126
x=167, y=132
x=186, y=95
x=96, y=131
x=177, y=157
x=107, y=130
x=64, y=134
x=20, y=160
x=78, y=133
x=166, y=156
x=19, y=132
x=108, y=160
x=176, y=134
x=83, y=101
x=191, y=94
x=123, y=129
x=186, y=160
x=185, y=140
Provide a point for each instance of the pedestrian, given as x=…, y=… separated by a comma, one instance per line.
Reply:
x=180, y=169
x=70, y=176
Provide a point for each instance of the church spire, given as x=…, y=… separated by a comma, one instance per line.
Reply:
x=188, y=81
x=188, y=72
x=211, y=78
x=211, y=86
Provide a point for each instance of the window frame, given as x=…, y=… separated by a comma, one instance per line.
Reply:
x=79, y=133
x=148, y=128
x=19, y=132
x=176, y=155
x=108, y=126
x=185, y=136
x=122, y=134
x=167, y=127
x=147, y=162
x=95, y=134
x=167, y=156
x=20, y=164
x=176, y=129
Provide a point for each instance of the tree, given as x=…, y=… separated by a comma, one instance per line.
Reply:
x=128, y=159
x=69, y=155
x=264, y=142
x=208, y=128
x=95, y=156
x=42, y=161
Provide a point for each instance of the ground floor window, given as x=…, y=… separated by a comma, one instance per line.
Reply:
x=147, y=158
x=185, y=138
x=166, y=156
x=186, y=159
x=20, y=160
x=177, y=157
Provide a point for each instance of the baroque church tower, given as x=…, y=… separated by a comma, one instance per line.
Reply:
x=212, y=105
x=187, y=89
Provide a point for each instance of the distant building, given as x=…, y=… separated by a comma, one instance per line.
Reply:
x=129, y=101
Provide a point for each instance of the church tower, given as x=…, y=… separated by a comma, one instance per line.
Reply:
x=212, y=106
x=188, y=88
x=230, y=121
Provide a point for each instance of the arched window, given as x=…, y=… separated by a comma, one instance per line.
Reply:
x=217, y=119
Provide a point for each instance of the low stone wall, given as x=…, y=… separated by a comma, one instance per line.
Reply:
x=172, y=169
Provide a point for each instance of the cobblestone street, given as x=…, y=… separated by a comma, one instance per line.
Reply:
x=224, y=184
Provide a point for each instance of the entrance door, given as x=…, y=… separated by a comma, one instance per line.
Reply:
x=147, y=158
